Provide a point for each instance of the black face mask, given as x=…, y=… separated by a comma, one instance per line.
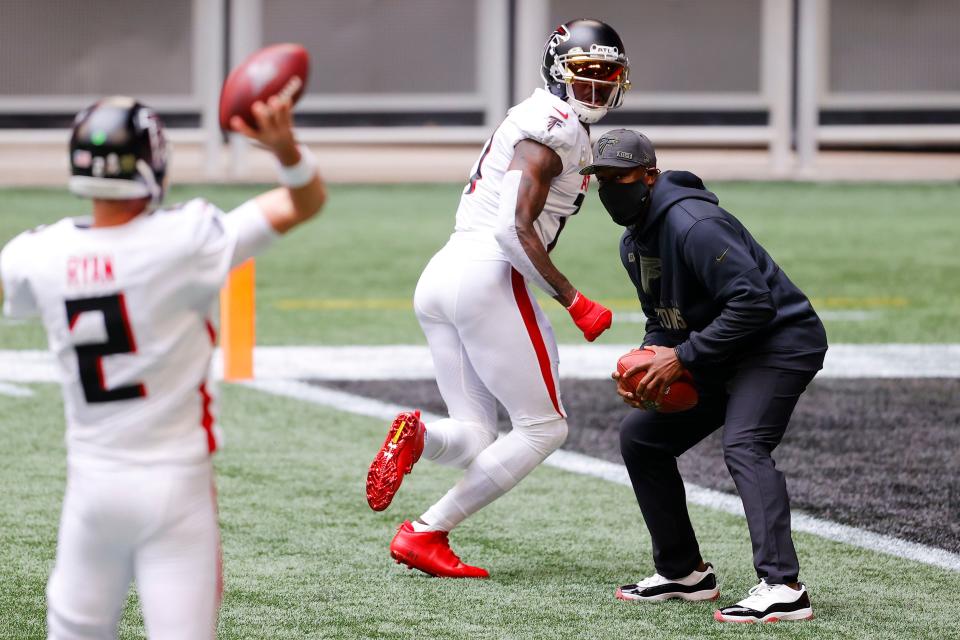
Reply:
x=627, y=203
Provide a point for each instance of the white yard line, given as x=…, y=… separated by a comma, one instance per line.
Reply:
x=27, y=366
x=411, y=362
x=586, y=465
x=7, y=389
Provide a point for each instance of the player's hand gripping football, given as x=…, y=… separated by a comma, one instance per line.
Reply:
x=591, y=317
x=662, y=370
x=274, y=128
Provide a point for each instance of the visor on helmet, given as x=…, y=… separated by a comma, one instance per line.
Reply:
x=595, y=83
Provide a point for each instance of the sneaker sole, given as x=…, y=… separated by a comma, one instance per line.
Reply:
x=380, y=468
x=790, y=616
x=399, y=558
x=696, y=596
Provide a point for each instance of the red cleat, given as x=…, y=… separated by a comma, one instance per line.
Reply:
x=400, y=451
x=430, y=552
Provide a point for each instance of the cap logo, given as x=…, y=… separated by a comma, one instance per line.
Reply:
x=606, y=142
x=626, y=155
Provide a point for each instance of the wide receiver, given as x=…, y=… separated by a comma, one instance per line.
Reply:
x=488, y=337
x=126, y=298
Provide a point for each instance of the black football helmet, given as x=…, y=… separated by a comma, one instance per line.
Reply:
x=118, y=151
x=585, y=64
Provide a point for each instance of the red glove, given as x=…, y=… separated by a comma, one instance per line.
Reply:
x=592, y=318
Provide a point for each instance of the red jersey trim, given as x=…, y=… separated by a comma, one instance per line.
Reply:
x=206, y=420
x=536, y=337
x=211, y=331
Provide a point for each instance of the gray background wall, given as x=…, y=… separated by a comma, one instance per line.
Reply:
x=70, y=47
x=81, y=49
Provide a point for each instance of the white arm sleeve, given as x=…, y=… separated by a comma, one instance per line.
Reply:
x=252, y=231
x=18, y=298
x=506, y=231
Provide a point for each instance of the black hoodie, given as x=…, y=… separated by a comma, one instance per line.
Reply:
x=709, y=289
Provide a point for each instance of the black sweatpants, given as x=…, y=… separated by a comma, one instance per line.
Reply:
x=754, y=406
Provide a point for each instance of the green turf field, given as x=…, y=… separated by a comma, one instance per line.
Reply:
x=306, y=558
x=879, y=260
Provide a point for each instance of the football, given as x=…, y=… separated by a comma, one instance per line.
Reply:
x=280, y=69
x=680, y=396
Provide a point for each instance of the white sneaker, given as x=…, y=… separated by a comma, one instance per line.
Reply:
x=699, y=585
x=769, y=603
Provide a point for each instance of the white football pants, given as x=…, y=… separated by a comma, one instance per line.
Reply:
x=155, y=525
x=490, y=342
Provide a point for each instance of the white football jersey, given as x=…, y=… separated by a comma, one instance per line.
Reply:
x=128, y=315
x=546, y=119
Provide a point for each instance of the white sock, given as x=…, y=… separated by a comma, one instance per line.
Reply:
x=496, y=470
x=420, y=527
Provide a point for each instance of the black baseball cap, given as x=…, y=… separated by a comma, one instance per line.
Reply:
x=623, y=149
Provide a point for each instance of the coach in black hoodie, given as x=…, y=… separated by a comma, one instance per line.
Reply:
x=718, y=306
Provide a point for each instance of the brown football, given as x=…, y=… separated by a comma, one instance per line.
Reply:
x=680, y=396
x=280, y=69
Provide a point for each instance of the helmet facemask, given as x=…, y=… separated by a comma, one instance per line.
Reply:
x=593, y=85
x=592, y=81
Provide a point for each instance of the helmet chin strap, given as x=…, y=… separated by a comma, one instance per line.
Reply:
x=587, y=115
x=155, y=190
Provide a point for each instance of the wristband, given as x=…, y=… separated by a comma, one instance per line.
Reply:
x=300, y=174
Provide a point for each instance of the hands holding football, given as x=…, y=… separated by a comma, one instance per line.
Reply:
x=274, y=130
x=654, y=378
x=257, y=97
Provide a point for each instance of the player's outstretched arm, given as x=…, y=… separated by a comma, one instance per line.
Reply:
x=304, y=192
x=524, y=191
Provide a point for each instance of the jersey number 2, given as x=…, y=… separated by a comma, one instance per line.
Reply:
x=90, y=356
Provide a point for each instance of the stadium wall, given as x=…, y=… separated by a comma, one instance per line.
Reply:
x=783, y=76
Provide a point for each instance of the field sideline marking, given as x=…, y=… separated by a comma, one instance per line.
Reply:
x=589, y=466
x=581, y=361
x=15, y=390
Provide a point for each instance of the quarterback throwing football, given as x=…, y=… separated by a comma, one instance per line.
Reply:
x=488, y=337
x=126, y=298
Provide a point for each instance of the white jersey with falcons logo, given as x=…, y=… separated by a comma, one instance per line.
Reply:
x=127, y=311
x=548, y=120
